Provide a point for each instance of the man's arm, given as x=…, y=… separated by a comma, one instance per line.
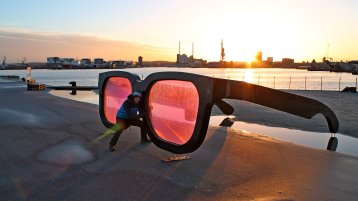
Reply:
x=132, y=110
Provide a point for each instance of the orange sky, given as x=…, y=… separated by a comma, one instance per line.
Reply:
x=38, y=46
x=115, y=29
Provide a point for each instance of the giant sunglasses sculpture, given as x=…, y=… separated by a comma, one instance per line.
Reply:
x=178, y=105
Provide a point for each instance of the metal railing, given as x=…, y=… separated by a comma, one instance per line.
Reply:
x=299, y=83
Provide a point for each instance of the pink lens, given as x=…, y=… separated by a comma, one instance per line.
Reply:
x=173, y=108
x=116, y=91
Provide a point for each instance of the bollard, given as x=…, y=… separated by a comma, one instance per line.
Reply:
x=274, y=81
x=339, y=84
x=28, y=72
x=74, y=91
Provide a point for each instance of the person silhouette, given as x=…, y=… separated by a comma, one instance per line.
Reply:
x=130, y=114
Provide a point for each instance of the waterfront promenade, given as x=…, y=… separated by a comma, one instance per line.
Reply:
x=46, y=154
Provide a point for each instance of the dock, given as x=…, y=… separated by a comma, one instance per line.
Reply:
x=47, y=153
x=80, y=88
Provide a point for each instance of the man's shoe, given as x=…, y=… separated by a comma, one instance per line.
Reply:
x=111, y=148
x=145, y=141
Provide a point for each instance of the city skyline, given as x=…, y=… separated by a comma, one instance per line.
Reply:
x=302, y=30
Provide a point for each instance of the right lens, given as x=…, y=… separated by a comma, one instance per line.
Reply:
x=116, y=91
x=173, y=109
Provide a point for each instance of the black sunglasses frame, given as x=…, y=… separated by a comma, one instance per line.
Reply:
x=211, y=91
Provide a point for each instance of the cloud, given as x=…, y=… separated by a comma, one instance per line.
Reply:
x=37, y=46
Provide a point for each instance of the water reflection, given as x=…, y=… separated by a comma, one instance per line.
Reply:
x=249, y=76
x=346, y=144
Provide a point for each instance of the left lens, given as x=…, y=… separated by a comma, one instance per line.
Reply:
x=173, y=109
x=115, y=93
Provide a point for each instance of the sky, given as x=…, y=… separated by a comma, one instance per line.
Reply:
x=125, y=29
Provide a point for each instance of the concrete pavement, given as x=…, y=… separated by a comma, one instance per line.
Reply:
x=46, y=154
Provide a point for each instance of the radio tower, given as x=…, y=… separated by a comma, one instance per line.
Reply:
x=222, y=56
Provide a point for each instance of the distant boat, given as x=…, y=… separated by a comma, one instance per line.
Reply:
x=345, y=67
x=355, y=67
x=319, y=67
x=303, y=67
x=341, y=66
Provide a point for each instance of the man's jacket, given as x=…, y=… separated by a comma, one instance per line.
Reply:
x=129, y=110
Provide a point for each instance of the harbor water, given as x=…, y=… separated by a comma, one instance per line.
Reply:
x=294, y=79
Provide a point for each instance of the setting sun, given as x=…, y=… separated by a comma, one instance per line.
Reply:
x=247, y=56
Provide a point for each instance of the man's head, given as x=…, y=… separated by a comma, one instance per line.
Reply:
x=136, y=97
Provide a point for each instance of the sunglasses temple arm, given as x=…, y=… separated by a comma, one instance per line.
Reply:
x=282, y=101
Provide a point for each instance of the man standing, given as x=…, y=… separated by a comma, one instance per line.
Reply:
x=129, y=114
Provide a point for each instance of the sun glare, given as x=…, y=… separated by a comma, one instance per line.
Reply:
x=248, y=56
x=249, y=76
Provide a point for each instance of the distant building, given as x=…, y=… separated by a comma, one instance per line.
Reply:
x=85, y=62
x=98, y=63
x=198, y=63
x=120, y=64
x=182, y=59
x=215, y=64
x=68, y=62
x=140, y=61
x=57, y=62
x=287, y=61
x=269, y=59
x=53, y=60
x=258, y=56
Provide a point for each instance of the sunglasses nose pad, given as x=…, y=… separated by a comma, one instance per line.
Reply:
x=225, y=107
